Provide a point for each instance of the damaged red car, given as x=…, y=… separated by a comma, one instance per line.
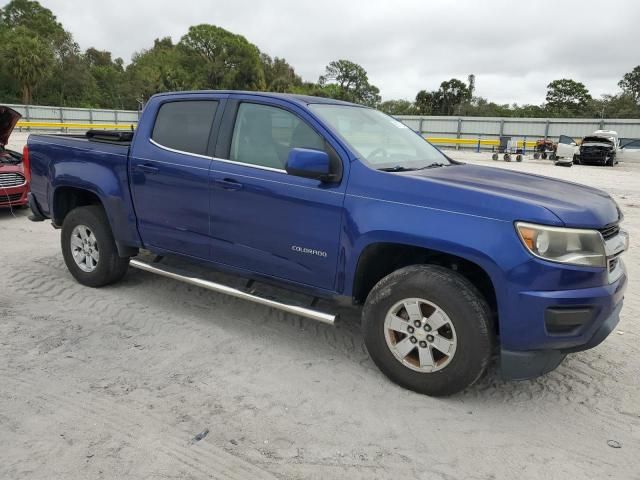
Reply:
x=14, y=181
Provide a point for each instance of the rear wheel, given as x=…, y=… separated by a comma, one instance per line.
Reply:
x=494, y=156
x=89, y=249
x=428, y=329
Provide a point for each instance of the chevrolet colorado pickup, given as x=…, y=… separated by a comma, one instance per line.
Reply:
x=450, y=262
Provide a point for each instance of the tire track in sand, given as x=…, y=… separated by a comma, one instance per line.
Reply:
x=202, y=458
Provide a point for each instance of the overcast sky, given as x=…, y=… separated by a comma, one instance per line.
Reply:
x=514, y=48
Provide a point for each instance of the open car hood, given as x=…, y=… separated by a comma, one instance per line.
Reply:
x=8, y=120
x=594, y=139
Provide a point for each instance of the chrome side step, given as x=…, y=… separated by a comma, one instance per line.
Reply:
x=185, y=277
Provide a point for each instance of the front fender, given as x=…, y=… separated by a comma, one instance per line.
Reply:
x=491, y=244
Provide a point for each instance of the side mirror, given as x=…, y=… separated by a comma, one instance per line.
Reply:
x=307, y=163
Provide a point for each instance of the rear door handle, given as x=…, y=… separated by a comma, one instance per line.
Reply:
x=145, y=167
x=228, y=184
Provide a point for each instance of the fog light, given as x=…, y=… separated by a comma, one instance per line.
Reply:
x=567, y=321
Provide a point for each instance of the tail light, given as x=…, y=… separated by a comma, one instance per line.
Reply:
x=26, y=163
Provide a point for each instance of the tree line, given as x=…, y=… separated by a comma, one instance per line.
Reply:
x=42, y=64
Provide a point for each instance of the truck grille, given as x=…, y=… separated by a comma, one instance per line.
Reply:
x=10, y=198
x=11, y=180
x=610, y=231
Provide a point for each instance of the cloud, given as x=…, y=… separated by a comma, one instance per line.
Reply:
x=514, y=48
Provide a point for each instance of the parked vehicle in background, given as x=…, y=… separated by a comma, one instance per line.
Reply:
x=14, y=184
x=345, y=203
x=599, y=148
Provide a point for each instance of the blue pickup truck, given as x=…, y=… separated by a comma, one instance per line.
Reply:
x=450, y=263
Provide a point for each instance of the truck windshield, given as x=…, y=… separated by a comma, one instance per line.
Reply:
x=379, y=140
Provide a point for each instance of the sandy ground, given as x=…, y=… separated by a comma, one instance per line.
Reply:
x=117, y=382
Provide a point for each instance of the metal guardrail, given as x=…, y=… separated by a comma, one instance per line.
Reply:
x=46, y=116
x=475, y=142
x=464, y=132
x=472, y=142
x=457, y=131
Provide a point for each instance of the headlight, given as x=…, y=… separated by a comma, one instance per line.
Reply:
x=565, y=245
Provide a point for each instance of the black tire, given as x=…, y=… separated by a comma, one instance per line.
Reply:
x=518, y=158
x=459, y=300
x=507, y=157
x=536, y=156
x=494, y=156
x=553, y=157
x=576, y=159
x=110, y=267
x=544, y=156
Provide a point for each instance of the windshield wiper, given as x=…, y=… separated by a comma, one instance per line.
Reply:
x=397, y=168
x=433, y=165
x=400, y=168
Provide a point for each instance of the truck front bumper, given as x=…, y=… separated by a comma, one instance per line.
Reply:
x=523, y=365
x=558, y=323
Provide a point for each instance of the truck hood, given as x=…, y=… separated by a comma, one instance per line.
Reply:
x=8, y=120
x=507, y=191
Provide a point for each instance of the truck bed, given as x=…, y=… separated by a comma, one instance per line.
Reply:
x=60, y=162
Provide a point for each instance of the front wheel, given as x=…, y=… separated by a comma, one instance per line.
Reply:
x=428, y=329
x=89, y=249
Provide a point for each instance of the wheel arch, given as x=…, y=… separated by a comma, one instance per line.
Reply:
x=66, y=198
x=378, y=259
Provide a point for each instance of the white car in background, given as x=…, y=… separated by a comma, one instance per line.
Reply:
x=602, y=147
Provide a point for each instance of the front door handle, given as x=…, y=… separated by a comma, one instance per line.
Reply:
x=147, y=168
x=228, y=184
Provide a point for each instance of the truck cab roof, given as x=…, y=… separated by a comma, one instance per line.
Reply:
x=292, y=97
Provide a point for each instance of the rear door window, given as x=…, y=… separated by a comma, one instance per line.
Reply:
x=185, y=126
